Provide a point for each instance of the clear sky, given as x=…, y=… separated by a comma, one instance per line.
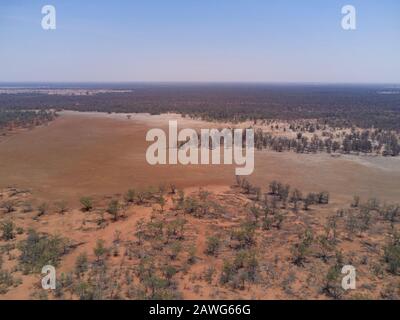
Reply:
x=200, y=40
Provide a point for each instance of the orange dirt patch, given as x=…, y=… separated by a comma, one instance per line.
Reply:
x=98, y=154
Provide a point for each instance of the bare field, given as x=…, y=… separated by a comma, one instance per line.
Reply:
x=99, y=154
x=82, y=154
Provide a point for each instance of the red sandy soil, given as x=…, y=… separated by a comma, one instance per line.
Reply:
x=278, y=277
x=104, y=155
x=98, y=154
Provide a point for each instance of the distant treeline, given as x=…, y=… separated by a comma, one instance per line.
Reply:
x=11, y=119
x=337, y=106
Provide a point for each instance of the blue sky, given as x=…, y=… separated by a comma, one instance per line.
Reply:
x=200, y=40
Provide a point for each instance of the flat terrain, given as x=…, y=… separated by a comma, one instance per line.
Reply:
x=99, y=154
x=214, y=238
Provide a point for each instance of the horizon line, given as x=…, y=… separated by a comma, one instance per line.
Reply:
x=203, y=82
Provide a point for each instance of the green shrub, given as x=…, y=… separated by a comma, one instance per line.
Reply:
x=40, y=250
x=356, y=201
x=174, y=250
x=213, y=244
x=331, y=286
x=42, y=209
x=62, y=207
x=113, y=209
x=84, y=290
x=209, y=274
x=81, y=264
x=100, y=250
x=161, y=202
x=6, y=281
x=130, y=196
x=7, y=229
x=191, y=205
x=87, y=203
x=302, y=249
x=227, y=273
x=9, y=206
x=168, y=272
x=242, y=269
x=392, y=255
x=244, y=235
x=323, y=197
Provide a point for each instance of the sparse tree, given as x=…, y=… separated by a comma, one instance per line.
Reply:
x=130, y=196
x=246, y=186
x=100, y=250
x=392, y=254
x=331, y=285
x=238, y=180
x=42, y=209
x=140, y=231
x=168, y=272
x=279, y=217
x=87, y=203
x=213, y=244
x=191, y=254
x=302, y=249
x=81, y=264
x=9, y=206
x=283, y=192
x=62, y=207
x=141, y=196
x=351, y=225
x=308, y=201
x=255, y=212
x=174, y=250
x=295, y=197
x=161, y=201
x=356, y=202
x=273, y=187
x=267, y=222
x=113, y=209
x=7, y=229
x=323, y=197
x=172, y=188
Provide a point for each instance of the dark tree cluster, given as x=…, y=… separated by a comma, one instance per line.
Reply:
x=366, y=141
x=10, y=119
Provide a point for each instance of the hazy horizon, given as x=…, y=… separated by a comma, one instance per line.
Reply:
x=189, y=83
